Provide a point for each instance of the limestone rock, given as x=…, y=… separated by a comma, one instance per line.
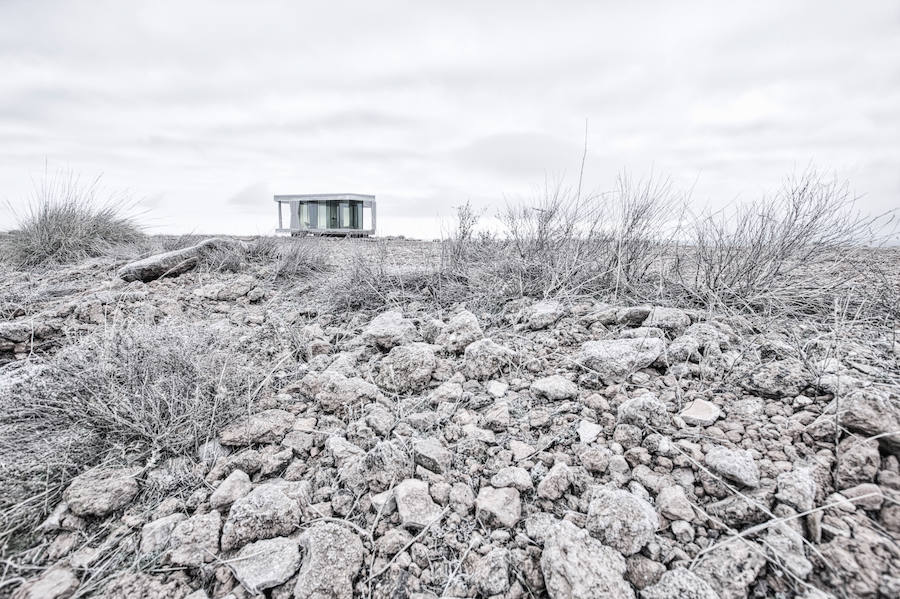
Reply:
x=263, y=513
x=101, y=491
x=555, y=388
x=781, y=378
x=736, y=465
x=859, y=463
x=485, y=358
x=544, y=313
x=389, y=329
x=461, y=330
x=797, y=488
x=731, y=567
x=155, y=535
x=576, y=566
x=679, y=583
x=491, y=574
x=227, y=290
x=414, y=503
x=332, y=558
x=555, y=483
x=512, y=476
x=431, y=454
x=336, y=393
x=642, y=411
x=195, y=541
x=266, y=564
x=621, y=520
x=498, y=507
x=671, y=320
x=406, y=368
x=672, y=502
x=615, y=359
x=871, y=412
x=55, y=583
x=700, y=413
x=268, y=426
x=235, y=486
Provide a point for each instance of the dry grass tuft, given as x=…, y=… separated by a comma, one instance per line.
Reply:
x=128, y=388
x=66, y=221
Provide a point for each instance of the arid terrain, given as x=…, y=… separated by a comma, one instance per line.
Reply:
x=335, y=418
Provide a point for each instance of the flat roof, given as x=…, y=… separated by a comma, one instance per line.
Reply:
x=323, y=196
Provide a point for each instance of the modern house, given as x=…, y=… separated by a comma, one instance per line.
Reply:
x=326, y=214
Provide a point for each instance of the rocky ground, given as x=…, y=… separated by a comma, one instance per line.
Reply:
x=556, y=448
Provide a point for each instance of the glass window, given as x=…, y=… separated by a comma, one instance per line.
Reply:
x=323, y=214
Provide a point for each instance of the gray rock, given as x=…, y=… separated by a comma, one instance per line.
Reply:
x=55, y=583
x=235, y=486
x=406, y=368
x=671, y=320
x=576, y=566
x=498, y=507
x=544, y=313
x=673, y=503
x=415, y=505
x=785, y=545
x=268, y=426
x=555, y=388
x=859, y=461
x=496, y=418
x=781, y=378
x=797, y=488
x=621, y=520
x=614, y=359
x=461, y=330
x=731, y=567
x=387, y=463
x=485, y=358
x=101, y=491
x=227, y=290
x=512, y=476
x=700, y=413
x=643, y=411
x=155, y=535
x=491, y=574
x=642, y=571
x=389, y=329
x=195, y=541
x=336, y=393
x=266, y=564
x=431, y=454
x=679, y=583
x=588, y=432
x=264, y=513
x=736, y=465
x=871, y=412
x=332, y=558
x=555, y=483
x=393, y=541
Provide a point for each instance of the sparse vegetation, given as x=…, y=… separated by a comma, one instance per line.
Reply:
x=66, y=221
x=535, y=370
x=128, y=387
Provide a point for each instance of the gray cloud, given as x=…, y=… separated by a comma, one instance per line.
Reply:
x=208, y=107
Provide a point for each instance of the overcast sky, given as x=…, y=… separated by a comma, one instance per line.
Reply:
x=202, y=110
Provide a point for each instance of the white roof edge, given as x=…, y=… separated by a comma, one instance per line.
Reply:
x=323, y=196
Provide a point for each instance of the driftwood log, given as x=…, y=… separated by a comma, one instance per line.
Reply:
x=170, y=264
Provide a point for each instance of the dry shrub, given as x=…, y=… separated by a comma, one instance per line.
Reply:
x=67, y=221
x=160, y=390
x=796, y=251
x=289, y=258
